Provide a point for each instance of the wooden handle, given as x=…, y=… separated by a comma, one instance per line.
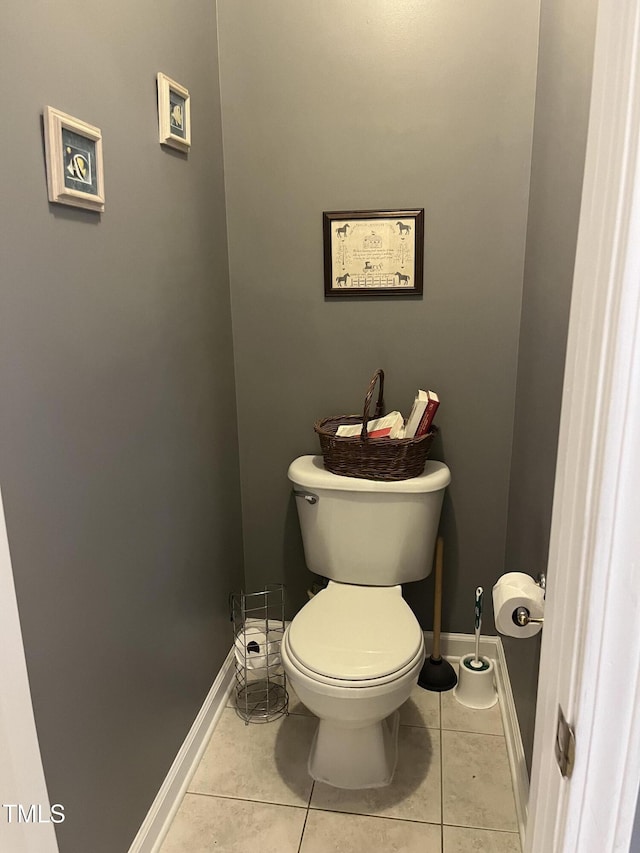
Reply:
x=437, y=600
x=378, y=376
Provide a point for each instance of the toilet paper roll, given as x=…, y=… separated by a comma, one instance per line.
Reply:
x=255, y=649
x=514, y=590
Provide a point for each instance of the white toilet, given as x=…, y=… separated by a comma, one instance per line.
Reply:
x=353, y=654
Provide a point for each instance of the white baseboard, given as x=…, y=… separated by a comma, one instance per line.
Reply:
x=163, y=809
x=457, y=645
x=515, y=749
x=453, y=647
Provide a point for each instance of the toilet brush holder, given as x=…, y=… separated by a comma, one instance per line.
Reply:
x=476, y=684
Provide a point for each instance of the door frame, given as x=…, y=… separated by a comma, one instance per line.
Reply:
x=22, y=778
x=595, y=536
x=590, y=657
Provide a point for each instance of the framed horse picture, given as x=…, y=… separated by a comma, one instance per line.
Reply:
x=373, y=252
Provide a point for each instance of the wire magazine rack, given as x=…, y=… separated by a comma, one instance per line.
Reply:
x=260, y=682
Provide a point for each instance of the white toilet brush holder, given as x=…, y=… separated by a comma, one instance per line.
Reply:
x=476, y=685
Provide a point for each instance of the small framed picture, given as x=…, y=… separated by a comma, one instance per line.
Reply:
x=174, y=113
x=373, y=252
x=73, y=151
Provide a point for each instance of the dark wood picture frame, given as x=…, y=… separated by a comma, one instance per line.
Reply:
x=373, y=252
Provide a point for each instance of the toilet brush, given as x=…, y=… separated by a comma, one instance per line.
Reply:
x=478, y=663
x=437, y=674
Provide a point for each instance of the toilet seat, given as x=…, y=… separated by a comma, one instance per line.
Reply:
x=353, y=636
x=346, y=683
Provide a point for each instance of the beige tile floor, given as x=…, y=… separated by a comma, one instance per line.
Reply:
x=452, y=791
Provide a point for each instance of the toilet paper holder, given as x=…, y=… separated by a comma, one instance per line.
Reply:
x=521, y=615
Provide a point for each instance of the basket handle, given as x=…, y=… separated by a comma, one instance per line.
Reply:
x=378, y=375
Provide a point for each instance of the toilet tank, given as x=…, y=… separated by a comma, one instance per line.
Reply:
x=364, y=531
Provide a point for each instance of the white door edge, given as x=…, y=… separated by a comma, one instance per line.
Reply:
x=593, y=606
x=22, y=780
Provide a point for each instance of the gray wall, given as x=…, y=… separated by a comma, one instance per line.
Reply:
x=560, y=132
x=339, y=106
x=118, y=443
x=635, y=839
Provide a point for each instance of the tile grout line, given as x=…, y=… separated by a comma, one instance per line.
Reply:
x=306, y=817
x=472, y=732
x=417, y=726
x=414, y=726
x=244, y=800
x=378, y=816
x=482, y=828
x=353, y=814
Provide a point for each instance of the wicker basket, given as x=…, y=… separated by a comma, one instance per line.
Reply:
x=372, y=458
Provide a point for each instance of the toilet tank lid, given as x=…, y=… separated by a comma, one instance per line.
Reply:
x=309, y=472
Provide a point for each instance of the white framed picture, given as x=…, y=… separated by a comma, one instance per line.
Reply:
x=73, y=152
x=174, y=113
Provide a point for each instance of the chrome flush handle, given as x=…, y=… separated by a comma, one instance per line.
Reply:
x=309, y=497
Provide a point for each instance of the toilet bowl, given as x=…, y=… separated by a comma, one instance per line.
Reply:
x=354, y=652
x=353, y=655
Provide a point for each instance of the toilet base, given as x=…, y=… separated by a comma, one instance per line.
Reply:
x=355, y=757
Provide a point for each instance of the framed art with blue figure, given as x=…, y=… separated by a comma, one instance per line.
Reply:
x=73, y=153
x=174, y=114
